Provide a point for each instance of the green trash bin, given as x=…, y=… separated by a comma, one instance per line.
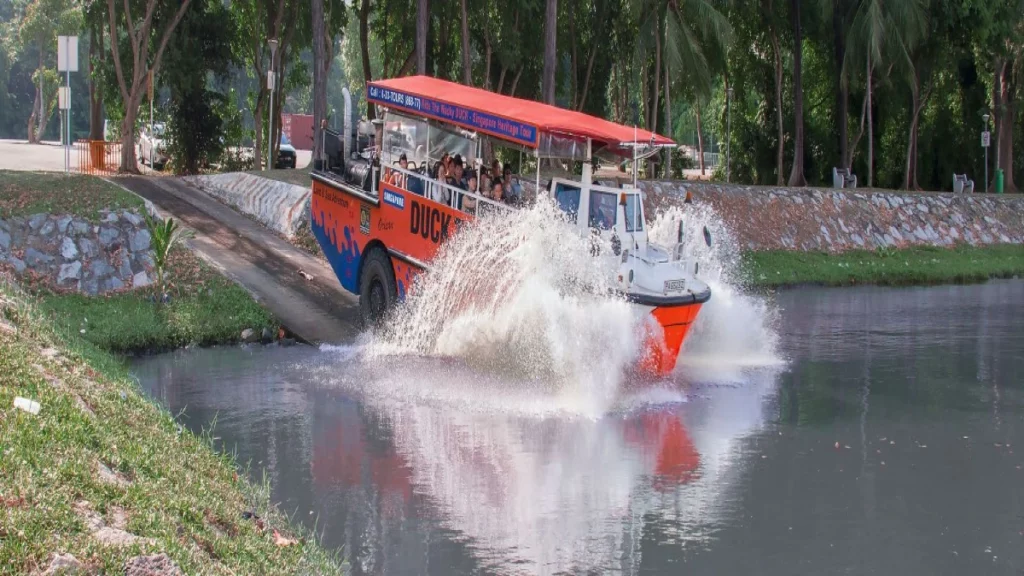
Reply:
x=999, y=181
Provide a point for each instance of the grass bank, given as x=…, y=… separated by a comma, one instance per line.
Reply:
x=103, y=474
x=902, y=267
x=205, y=308
x=27, y=193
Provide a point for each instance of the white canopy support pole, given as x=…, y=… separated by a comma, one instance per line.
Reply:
x=634, y=156
x=538, y=172
x=588, y=168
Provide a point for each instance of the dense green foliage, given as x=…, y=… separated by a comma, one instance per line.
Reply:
x=895, y=90
x=909, y=266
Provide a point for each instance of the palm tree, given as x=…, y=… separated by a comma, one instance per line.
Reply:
x=690, y=41
x=881, y=31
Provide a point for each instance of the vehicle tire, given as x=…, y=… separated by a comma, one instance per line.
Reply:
x=378, y=290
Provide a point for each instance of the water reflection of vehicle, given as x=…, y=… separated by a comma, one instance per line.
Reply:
x=379, y=231
x=547, y=495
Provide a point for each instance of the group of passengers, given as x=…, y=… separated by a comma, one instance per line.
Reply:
x=492, y=183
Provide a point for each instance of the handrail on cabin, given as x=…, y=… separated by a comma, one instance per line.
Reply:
x=453, y=191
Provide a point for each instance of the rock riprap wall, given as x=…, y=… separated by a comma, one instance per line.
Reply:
x=70, y=253
x=809, y=219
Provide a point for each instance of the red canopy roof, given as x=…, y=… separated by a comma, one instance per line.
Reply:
x=509, y=118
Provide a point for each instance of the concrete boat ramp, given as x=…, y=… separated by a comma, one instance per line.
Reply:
x=300, y=290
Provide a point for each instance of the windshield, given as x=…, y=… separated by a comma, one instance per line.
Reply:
x=602, y=210
x=633, y=212
x=158, y=130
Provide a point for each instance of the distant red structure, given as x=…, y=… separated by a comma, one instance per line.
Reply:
x=299, y=129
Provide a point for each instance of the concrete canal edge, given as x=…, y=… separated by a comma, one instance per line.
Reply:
x=833, y=221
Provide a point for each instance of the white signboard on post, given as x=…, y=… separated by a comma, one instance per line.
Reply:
x=64, y=98
x=986, y=139
x=67, y=53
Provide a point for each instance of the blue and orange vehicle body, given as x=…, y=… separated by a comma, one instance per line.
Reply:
x=387, y=223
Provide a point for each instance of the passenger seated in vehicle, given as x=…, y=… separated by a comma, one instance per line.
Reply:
x=512, y=188
x=439, y=193
x=497, y=194
x=469, y=202
x=398, y=178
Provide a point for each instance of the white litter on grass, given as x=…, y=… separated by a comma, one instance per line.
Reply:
x=30, y=406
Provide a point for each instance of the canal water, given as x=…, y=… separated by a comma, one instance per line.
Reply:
x=885, y=437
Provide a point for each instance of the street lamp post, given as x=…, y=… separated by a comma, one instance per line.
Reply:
x=271, y=84
x=985, y=140
x=728, y=135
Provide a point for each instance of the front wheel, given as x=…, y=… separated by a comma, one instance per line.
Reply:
x=377, y=288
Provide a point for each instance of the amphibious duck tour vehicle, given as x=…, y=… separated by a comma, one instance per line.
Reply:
x=388, y=194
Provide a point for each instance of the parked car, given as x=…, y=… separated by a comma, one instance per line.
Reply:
x=285, y=154
x=152, y=148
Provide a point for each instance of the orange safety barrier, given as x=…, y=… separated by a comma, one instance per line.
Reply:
x=98, y=156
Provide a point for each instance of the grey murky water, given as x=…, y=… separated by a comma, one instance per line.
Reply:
x=420, y=469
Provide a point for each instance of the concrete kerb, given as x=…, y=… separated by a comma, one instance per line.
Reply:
x=280, y=206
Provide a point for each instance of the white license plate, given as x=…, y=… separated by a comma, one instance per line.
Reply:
x=675, y=285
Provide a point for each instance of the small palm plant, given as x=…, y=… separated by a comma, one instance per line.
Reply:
x=165, y=235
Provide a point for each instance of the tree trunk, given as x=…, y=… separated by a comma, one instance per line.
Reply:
x=550, y=55
x=364, y=49
x=668, y=124
x=586, y=79
x=487, y=65
x=131, y=94
x=422, y=28
x=95, y=91
x=45, y=108
x=258, y=152
x=871, y=131
x=910, y=169
x=467, y=63
x=320, y=70
x=842, y=88
x=796, y=177
x=515, y=81
x=780, y=165
x=1006, y=112
x=501, y=80
x=37, y=106
x=860, y=134
x=573, y=60
x=700, y=141
x=653, y=125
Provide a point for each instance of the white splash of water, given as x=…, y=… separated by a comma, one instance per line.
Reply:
x=735, y=329
x=519, y=295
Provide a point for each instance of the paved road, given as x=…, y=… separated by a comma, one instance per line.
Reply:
x=20, y=155
x=316, y=310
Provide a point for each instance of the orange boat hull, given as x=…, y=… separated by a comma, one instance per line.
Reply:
x=664, y=337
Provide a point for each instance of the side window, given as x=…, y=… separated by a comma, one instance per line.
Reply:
x=602, y=210
x=568, y=198
x=633, y=210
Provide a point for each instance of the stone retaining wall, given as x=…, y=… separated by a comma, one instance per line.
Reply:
x=766, y=218
x=69, y=253
x=280, y=206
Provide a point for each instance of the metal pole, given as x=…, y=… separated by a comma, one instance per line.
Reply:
x=67, y=123
x=986, y=156
x=270, y=126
